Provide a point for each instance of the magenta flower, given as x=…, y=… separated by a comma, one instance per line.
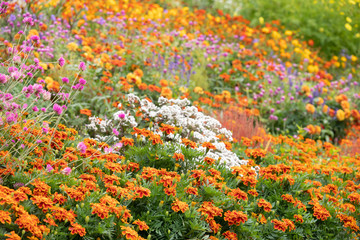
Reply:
x=81, y=147
x=61, y=61
x=116, y=132
x=49, y=168
x=82, y=66
x=82, y=81
x=66, y=171
x=65, y=80
x=3, y=78
x=122, y=115
x=58, y=109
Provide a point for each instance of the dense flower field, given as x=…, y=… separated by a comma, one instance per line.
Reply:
x=125, y=119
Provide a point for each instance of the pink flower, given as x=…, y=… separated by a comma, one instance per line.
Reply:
x=115, y=132
x=66, y=171
x=122, y=115
x=58, y=109
x=61, y=61
x=81, y=147
x=65, y=80
x=82, y=66
x=82, y=81
x=49, y=168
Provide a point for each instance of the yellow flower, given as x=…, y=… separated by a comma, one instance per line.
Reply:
x=340, y=115
x=261, y=20
x=348, y=27
x=72, y=46
x=353, y=58
x=198, y=90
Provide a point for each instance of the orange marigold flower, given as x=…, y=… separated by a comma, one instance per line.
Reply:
x=266, y=205
x=141, y=192
x=192, y=190
x=209, y=210
x=354, y=197
x=238, y=194
x=288, y=198
x=86, y=112
x=100, y=209
x=5, y=217
x=253, y=192
x=129, y=233
x=42, y=202
x=142, y=225
x=298, y=218
x=12, y=236
x=230, y=235
x=168, y=129
x=320, y=212
x=77, y=229
x=235, y=217
x=156, y=139
x=178, y=156
x=127, y=141
x=349, y=222
x=208, y=145
x=178, y=205
x=188, y=143
x=209, y=160
x=279, y=225
x=289, y=224
x=171, y=191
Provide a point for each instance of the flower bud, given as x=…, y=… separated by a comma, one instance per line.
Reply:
x=87, y=218
x=149, y=237
x=82, y=205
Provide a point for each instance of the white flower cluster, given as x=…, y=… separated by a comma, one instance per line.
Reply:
x=107, y=130
x=200, y=127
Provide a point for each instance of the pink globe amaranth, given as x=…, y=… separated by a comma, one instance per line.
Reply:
x=66, y=171
x=61, y=61
x=82, y=66
x=58, y=109
x=81, y=147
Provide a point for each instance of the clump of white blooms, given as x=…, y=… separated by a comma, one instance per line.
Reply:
x=193, y=124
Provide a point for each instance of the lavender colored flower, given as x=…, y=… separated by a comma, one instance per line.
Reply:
x=18, y=185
